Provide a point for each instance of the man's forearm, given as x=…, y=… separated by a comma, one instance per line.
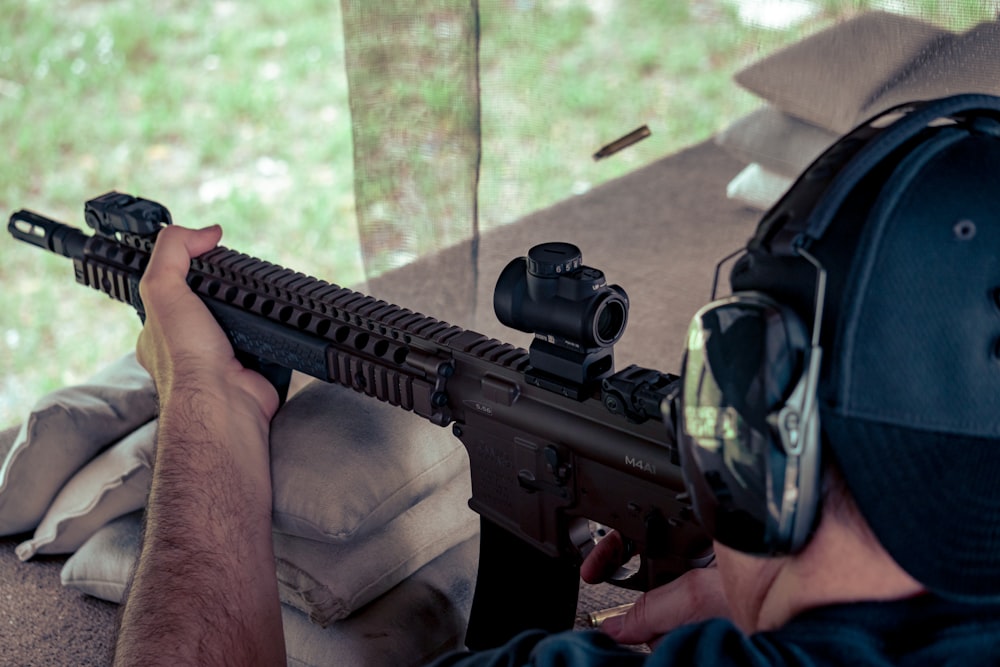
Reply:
x=204, y=590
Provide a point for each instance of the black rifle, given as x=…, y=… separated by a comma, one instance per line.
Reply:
x=558, y=442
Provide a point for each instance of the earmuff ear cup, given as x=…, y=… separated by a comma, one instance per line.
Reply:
x=746, y=358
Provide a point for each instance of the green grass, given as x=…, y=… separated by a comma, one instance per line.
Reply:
x=237, y=113
x=225, y=112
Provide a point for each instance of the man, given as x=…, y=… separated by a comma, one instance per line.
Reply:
x=839, y=429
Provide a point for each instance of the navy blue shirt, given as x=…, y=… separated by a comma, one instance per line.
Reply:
x=925, y=630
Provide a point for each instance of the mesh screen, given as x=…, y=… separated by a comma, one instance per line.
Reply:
x=461, y=118
x=412, y=71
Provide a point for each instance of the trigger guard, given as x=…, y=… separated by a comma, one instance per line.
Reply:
x=625, y=575
x=634, y=575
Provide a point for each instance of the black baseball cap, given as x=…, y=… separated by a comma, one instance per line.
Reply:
x=904, y=215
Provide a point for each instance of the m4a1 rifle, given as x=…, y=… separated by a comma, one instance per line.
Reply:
x=558, y=442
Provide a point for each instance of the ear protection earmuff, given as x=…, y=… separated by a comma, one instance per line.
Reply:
x=749, y=433
x=748, y=422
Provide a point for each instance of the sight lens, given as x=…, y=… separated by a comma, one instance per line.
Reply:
x=610, y=321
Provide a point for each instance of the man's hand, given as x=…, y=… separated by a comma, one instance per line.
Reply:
x=181, y=343
x=696, y=595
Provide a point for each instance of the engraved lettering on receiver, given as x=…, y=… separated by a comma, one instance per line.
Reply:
x=640, y=464
x=481, y=408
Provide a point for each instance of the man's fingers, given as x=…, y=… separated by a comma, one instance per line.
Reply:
x=694, y=596
x=175, y=246
x=181, y=343
x=175, y=318
x=604, y=559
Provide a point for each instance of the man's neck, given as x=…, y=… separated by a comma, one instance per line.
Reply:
x=842, y=563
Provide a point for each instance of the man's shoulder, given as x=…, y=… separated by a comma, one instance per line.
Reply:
x=718, y=643
x=921, y=631
x=925, y=629
x=589, y=648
